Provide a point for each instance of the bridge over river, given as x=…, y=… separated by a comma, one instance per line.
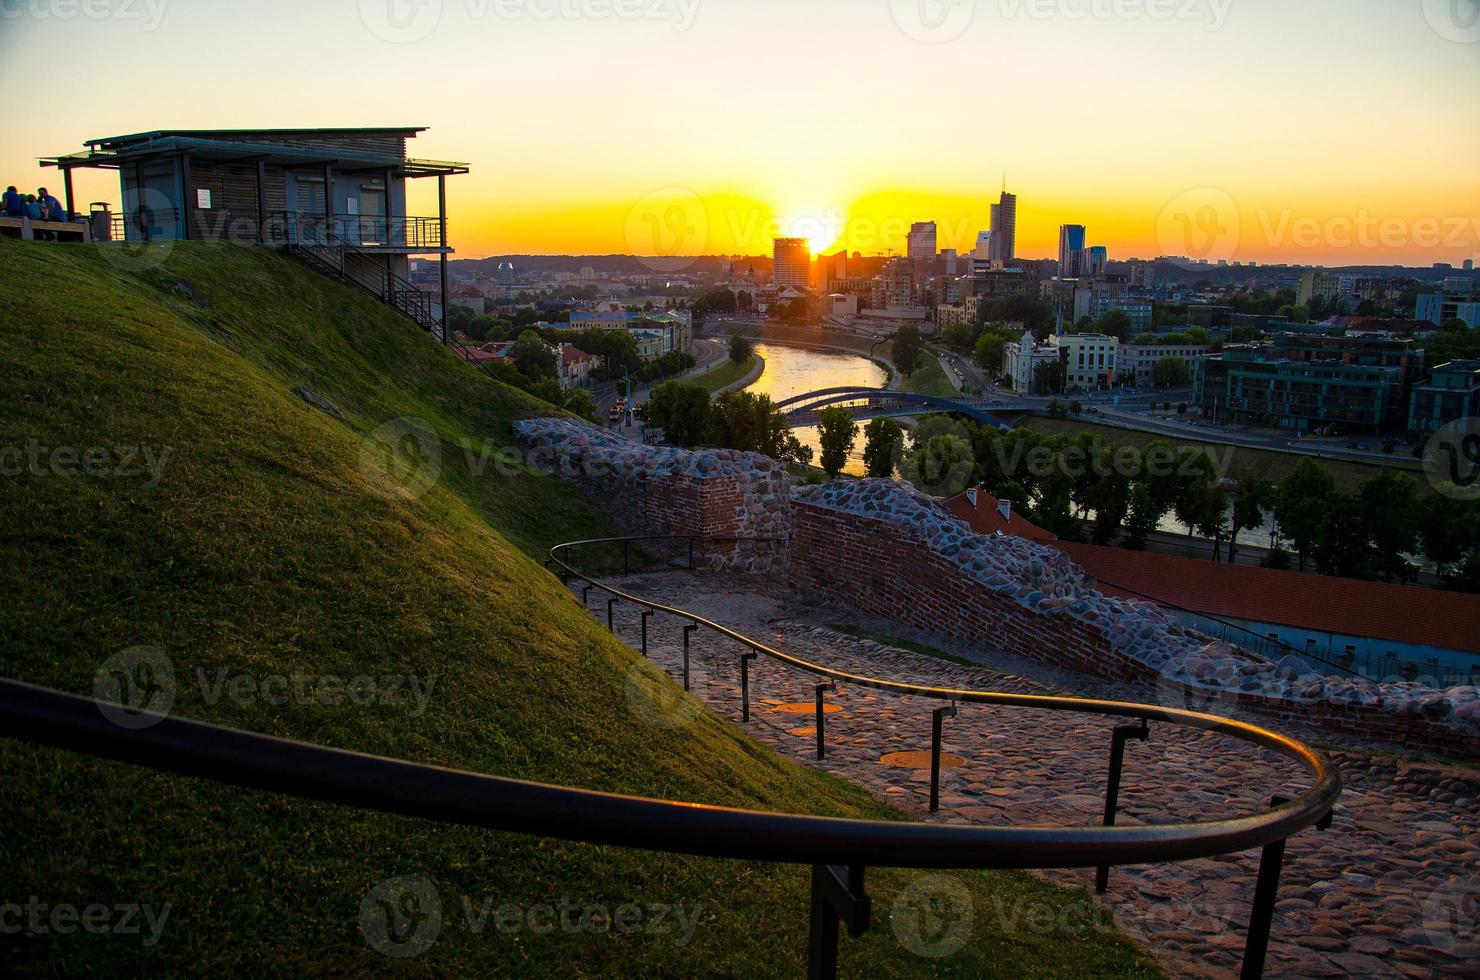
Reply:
x=872, y=403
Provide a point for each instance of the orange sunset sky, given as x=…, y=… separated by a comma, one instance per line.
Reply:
x=1321, y=131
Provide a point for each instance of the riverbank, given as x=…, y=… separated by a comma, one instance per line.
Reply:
x=730, y=376
x=807, y=338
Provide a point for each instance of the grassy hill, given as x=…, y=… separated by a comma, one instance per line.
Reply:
x=276, y=536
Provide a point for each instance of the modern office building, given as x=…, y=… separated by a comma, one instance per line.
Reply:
x=1072, y=259
x=1451, y=393
x=792, y=263
x=1310, y=383
x=1436, y=308
x=1089, y=359
x=920, y=249
x=1099, y=260
x=1136, y=363
x=1003, y=246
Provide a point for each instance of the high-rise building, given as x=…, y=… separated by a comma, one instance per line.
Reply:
x=1071, y=251
x=921, y=248
x=1099, y=260
x=792, y=263
x=831, y=269
x=1004, y=229
x=1469, y=265
x=505, y=275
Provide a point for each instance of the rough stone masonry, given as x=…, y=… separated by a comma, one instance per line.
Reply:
x=885, y=549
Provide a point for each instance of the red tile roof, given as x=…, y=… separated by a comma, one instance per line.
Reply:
x=1303, y=600
x=986, y=517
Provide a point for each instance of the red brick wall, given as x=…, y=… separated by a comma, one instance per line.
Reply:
x=878, y=569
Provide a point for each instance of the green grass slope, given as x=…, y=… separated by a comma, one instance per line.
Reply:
x=277, y=539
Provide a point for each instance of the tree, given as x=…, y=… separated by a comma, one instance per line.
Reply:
x=882, y=447
x=681, y=410
x=1048, y=378
x=740, y=349
x=836, y=433
x=793, y=451
x=908, y=349
x=990, y=349
x=1389, y=505
x=1170, y=372
x=1253, y=497
x=1301, y=505
x=1115, y=323
x=960, y=337
x=581, y=403
x=1447, y=529
x=532, y=356
x=749, y=422
x=1212, y=516
x=1145, y=514
x=941, y=467
x=1342, y=546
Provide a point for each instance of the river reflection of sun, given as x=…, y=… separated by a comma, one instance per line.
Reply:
x=793, y=371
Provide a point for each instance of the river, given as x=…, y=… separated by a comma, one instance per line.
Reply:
x=794, y=371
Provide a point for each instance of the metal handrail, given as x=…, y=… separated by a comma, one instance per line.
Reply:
x=838, y=848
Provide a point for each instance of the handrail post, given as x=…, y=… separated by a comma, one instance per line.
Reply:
x=936, y=726
x=609, y=603
x=687, y=632
x=1118, y=738
x=745, y=659
x=586, y=596
x=645, y=614
x=837, y=894
x=1266, y=889
x=821, y=715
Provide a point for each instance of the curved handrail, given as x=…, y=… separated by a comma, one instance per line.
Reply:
x=1241, y=833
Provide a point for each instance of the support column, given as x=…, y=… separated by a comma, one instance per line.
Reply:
x=186, y=200
x=442, y=224
x=67, y=191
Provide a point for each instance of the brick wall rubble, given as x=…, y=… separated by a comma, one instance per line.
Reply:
x=713, y=493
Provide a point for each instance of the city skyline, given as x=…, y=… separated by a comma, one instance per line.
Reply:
x=1203, y=160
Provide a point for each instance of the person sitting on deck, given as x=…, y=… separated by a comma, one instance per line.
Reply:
x=36, y=211
x=15, y=205
x=49, y=204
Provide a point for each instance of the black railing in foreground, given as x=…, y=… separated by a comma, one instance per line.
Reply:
x=839, y=850
x=837, y=881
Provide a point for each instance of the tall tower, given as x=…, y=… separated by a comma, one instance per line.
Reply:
x=1004, y=227
x=1072, y=258
x=921, y=248
x=792, y=259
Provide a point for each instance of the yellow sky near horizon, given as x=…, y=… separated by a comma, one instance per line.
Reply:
x=1325, y=131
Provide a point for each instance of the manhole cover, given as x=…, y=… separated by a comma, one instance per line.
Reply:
x=921, y=760
x=802, y=708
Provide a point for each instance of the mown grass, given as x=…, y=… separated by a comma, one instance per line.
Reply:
x=929, y=378
x=725, y=374
x=278, y=540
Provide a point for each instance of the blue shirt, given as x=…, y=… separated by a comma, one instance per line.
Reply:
x=53, y=208
x=34, y=211
x=15, y=205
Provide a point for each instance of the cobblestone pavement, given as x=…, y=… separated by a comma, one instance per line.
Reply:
x=1390, y=890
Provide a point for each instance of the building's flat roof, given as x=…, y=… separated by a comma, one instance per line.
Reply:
x=237, y=133
x=1302, y=600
